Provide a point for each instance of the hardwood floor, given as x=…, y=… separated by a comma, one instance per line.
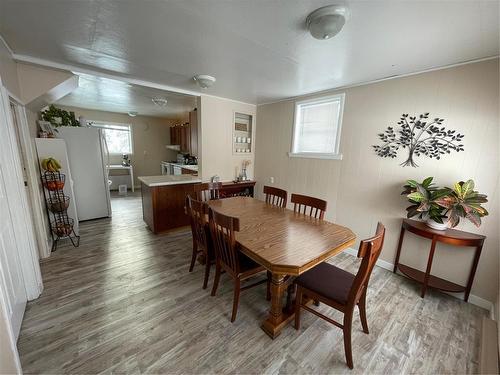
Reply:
x=124, y=301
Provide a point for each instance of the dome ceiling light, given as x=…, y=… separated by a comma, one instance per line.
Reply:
x=160, y=102
x=133, y=113
x=326, y=22
x=204, y=81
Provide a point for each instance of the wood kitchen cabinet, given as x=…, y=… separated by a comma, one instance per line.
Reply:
x=186, y=135
x=193, y=130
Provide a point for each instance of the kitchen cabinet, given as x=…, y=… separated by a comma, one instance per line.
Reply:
x=193, y=128
x=186, y=135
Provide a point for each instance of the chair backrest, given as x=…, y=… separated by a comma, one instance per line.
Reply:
x=223, y=229
x=303, y=203
x=198, y=212
x=369, y=250
x=275, y=196
x=208, y=191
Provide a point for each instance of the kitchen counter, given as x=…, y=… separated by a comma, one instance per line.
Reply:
x=165, y=180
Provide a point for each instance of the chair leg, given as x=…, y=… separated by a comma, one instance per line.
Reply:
x=362, y=312
x=347, y=338
x=193, y=257
x=236, y=299
x=216, y=279
x=207, y=272
x=268, y=292
x=298, y=301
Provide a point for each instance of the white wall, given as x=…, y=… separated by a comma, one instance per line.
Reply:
x=363, y=188
x=216, y=125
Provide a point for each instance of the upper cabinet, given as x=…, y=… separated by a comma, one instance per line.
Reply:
x=193, y=126
x=186, y=135
x=242, y=133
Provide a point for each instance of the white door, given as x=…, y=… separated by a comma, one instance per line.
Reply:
x=11, y=277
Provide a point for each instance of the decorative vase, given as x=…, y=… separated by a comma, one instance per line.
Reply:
x=437, y=226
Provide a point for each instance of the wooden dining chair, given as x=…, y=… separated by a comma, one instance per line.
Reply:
x=208, y=191
x=340, y=289
x=275, y=196
x=202, y=243
x=303, y=203
x=228, y=258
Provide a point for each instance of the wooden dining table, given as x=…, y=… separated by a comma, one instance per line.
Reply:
x=286, y=243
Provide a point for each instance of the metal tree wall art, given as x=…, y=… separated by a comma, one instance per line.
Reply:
x=421, y=137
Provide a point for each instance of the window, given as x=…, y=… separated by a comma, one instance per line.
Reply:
x=316, y=130
x=118, y=137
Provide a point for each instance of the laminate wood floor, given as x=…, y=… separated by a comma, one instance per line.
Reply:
x=125, y=302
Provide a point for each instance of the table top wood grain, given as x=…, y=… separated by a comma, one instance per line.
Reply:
x=281, y=240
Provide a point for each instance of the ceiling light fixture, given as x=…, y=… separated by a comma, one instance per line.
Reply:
x=204, y=81
x=326, y=22
x=161, y=102
x=133, y=113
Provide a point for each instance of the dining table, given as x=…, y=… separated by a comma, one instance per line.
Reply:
x=286, y=243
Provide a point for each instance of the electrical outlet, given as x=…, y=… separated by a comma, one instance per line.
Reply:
x=271, y=180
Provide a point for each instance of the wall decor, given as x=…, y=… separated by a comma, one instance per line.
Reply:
x=421, y=137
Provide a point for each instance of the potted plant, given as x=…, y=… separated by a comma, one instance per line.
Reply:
x=422, y=197
x=464, y=202
x=443, y=207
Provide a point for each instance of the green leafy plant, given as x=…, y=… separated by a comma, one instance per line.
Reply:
x=423, y=196
x=53, y=113
x=464, y=202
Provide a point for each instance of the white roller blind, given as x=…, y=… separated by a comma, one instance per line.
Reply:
x=317, y=125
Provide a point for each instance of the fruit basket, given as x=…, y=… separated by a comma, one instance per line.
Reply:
x=62, y=227
x=53, y=181
x=58, y=203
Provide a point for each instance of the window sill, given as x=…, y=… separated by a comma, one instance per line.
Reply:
x=313, y=155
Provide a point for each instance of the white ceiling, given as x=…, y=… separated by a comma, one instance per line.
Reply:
x=257, y=49
x=110, y=95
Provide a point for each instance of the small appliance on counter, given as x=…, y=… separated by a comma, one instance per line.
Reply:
x=125, y=160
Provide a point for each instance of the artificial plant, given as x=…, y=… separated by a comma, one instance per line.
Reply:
x=53, y=113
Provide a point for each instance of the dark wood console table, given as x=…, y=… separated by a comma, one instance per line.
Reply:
x=448, y=236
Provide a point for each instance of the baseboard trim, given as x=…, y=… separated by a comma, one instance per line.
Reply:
x=475, y=300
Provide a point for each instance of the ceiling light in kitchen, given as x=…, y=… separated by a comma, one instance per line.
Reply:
x=204, y=81
x=161, y=102
x=133, y=113
x=326, y=22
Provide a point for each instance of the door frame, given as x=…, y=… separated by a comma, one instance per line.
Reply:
x=37, y=207
x=23, y=230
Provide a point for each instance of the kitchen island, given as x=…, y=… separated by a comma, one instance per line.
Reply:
x=163, y=200
x=164, y=197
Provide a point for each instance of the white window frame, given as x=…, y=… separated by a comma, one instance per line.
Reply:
x=102, y=125
x=335, y=155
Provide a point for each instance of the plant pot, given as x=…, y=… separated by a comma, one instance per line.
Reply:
x=435, y=225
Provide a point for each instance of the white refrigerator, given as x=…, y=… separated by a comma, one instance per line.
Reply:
x=88, y=160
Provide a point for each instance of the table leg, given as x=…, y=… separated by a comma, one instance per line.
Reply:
x=429, y=266
x=277, y=318
x=472, y=272
x=398, y=252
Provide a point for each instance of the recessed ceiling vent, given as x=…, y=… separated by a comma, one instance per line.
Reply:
x=326, y=22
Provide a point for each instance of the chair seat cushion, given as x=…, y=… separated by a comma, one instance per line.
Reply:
x=329, y=281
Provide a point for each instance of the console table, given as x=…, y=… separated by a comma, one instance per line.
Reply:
x=448, y=236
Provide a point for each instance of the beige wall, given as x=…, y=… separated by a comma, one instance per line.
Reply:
x=216, y=123
x=150, y=135
x=364, y=188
